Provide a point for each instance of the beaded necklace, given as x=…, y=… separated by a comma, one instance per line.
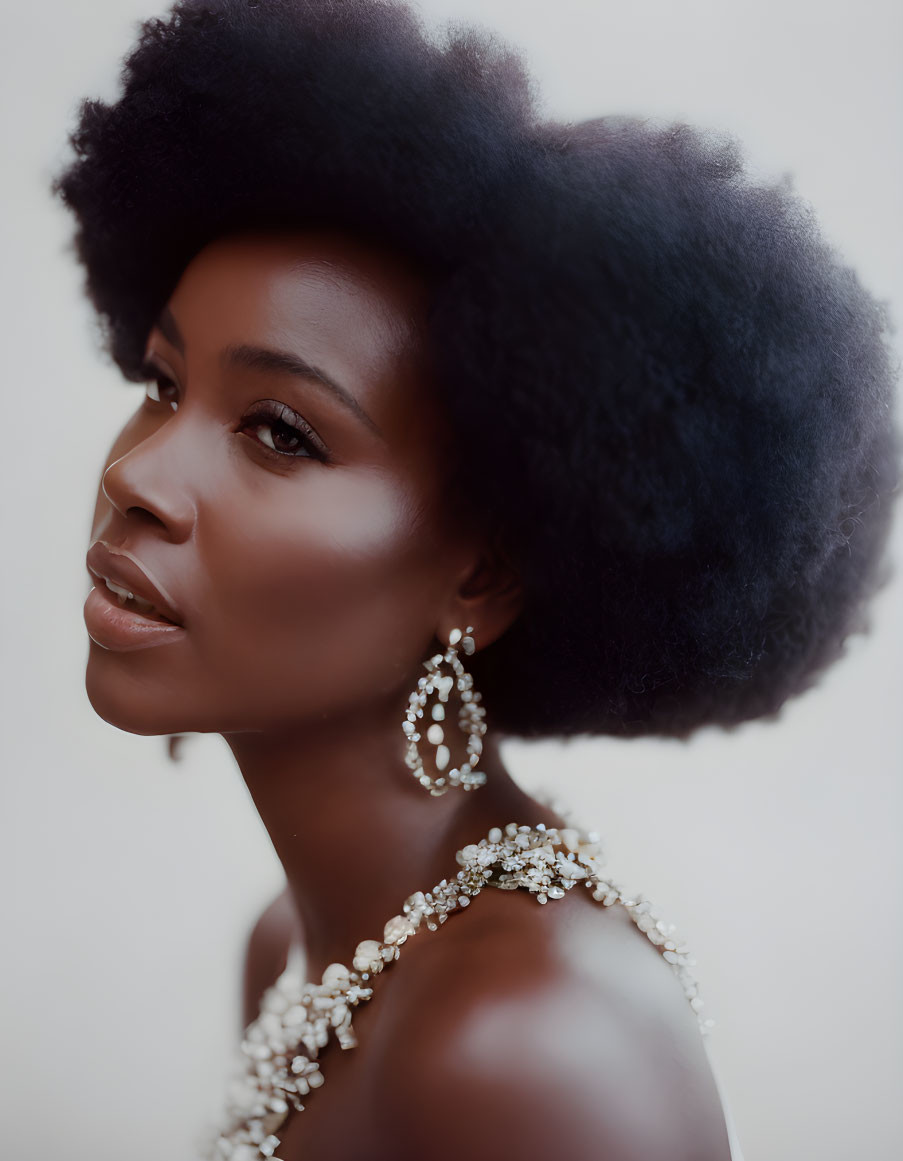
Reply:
x=280, y=1050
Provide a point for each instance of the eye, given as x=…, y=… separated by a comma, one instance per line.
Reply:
x=159, y=386
x=283, y=432
x=279, y=431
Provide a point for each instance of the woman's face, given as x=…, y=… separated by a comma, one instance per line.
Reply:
x=284, y=493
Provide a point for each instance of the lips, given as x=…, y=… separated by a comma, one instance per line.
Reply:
x=124, y=570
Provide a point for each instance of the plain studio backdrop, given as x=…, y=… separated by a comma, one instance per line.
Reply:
x=130, y=882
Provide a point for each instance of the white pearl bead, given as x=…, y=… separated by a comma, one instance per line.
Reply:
x=336, y=975
x=366, y=954
x=339, y=1015
x=398, y=927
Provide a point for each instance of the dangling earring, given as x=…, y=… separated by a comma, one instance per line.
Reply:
x=470, y=719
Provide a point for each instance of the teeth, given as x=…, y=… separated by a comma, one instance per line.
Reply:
x=124, y=595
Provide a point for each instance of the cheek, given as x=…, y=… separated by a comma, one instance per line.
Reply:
x=333, y=582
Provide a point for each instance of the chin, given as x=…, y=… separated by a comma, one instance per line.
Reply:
x=129, y=705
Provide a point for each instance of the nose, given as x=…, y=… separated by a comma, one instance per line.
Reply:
x=147, y=482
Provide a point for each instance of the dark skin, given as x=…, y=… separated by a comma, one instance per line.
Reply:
x=314, y=571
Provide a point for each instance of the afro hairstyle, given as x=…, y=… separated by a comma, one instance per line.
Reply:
x=674, y=402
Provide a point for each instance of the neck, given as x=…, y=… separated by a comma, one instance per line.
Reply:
x=354, y=830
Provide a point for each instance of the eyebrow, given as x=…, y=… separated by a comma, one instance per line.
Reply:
x=266, y=359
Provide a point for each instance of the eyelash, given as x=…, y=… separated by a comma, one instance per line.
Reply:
x=268, y=414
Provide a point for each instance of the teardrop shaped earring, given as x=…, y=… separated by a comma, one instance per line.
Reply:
x=435, y=718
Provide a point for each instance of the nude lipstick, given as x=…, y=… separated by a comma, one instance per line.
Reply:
x=126, y=610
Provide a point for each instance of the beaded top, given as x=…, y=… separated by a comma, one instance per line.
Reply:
x=280, y=1051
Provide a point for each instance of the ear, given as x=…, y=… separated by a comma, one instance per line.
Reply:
x=488, y=595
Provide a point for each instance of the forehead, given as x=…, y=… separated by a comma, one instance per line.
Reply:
x=346, y=303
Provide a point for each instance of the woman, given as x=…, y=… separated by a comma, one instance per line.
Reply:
x=574, y=416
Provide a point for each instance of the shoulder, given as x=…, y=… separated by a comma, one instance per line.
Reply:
x=504, y=1046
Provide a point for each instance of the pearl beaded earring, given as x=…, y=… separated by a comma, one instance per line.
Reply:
x=470, y=719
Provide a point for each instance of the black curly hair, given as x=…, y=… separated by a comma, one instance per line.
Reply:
x=674, y=400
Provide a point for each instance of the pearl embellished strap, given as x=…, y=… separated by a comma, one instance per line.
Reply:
x=280, y=1066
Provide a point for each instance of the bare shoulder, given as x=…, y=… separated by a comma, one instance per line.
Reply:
x=538, y=1029
x=266, y=953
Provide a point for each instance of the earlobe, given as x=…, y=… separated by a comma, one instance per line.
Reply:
x=490, y=597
